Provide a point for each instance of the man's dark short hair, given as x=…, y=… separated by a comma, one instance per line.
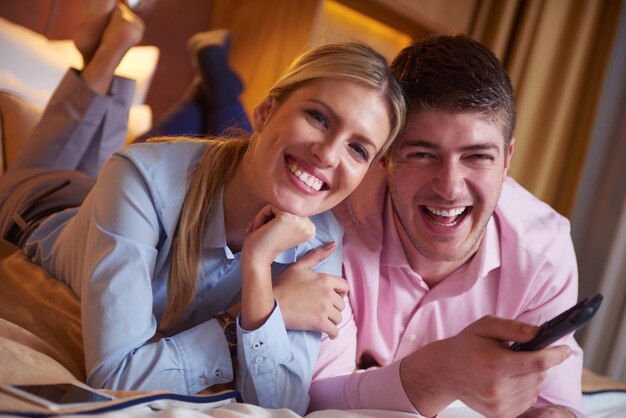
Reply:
x=456, y=73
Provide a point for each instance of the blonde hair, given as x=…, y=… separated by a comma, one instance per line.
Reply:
x=346, y=61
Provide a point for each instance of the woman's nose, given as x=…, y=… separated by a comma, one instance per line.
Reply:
x=327, y=152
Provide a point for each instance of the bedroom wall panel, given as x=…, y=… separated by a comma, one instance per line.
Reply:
x=267, y=35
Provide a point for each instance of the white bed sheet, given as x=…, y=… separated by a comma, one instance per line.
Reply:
x=611, y=404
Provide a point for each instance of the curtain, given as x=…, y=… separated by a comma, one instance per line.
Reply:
x=556, y=53
x=599, y=222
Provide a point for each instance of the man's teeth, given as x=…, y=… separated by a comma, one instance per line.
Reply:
x=310, y=180
x=450, y=217
x=446, y=213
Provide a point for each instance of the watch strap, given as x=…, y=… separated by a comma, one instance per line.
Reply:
x=229, y=326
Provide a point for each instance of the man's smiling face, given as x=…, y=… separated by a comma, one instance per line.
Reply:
x=445, y=174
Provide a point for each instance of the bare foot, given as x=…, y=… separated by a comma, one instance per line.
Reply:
x=96, y=16
x=123, y=31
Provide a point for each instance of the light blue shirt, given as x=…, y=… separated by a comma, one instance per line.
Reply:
x=114, y=252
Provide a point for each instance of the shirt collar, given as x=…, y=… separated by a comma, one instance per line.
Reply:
x=486, y=259
x=392, y=252
x=492, y=256
x=215, y=236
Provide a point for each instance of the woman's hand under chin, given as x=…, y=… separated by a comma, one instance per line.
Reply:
x=273, y=231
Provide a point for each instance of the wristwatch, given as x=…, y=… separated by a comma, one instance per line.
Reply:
x=229, y=326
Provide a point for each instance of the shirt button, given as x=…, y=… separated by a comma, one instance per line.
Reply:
x=413, y=337
x=257, y=345
x=258, y=360
x=218, y=373
x=202, y=380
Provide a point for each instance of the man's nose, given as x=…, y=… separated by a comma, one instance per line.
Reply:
x=449, y=181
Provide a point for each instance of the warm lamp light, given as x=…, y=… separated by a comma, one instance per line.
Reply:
x=338, y=22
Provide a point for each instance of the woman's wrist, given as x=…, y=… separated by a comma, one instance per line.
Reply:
x=257, y=296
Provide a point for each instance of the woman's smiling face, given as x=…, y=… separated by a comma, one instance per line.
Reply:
x=315, y=147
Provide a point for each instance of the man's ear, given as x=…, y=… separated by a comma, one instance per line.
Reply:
x=384, y=160
x=509, y=155
x=262, y=113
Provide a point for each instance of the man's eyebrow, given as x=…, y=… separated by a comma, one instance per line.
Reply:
x=407, y=143
x=487, y=146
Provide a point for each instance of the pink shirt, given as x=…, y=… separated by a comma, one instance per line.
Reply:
x=524, y=269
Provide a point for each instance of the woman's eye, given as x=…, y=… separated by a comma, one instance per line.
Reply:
x=318, y=117
x=360, y=149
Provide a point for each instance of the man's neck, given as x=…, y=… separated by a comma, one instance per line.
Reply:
x=432, y=272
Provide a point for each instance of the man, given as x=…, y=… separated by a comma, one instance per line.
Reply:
x=449, y=260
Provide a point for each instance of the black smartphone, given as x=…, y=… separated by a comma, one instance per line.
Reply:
x=569, y=321
x=57, y=396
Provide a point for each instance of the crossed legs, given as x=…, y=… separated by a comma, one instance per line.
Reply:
x=82, y=125
x=85, y=121
x=211, y=105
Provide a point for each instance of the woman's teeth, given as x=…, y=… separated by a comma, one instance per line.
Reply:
x=307, y=178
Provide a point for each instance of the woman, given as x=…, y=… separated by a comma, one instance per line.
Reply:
x=173, y=235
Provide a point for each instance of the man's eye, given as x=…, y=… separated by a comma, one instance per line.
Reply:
x=419, y=155
x=318, y=117
x=360, y=149
x=481, y=157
